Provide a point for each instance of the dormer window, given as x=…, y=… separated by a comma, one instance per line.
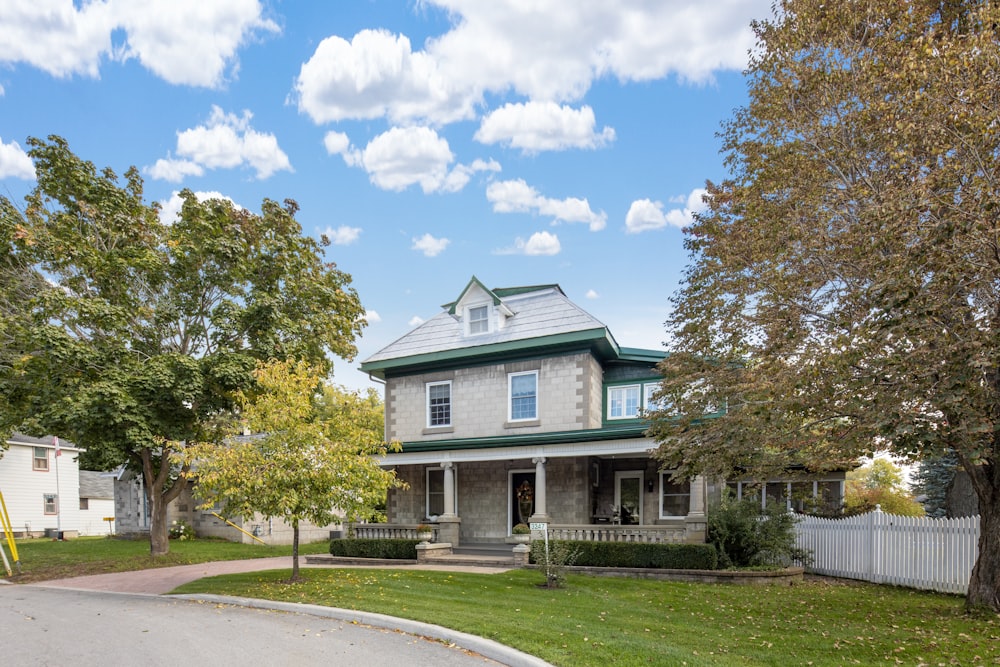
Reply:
x=479, y=320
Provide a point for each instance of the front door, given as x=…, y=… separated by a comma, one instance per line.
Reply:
x=522, y=497
x=628, y=496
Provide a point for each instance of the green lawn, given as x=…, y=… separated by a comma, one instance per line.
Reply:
x=43, y=559
x=611, y=621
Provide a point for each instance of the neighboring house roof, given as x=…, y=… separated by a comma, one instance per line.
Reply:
x=44, y=441
x=96, y=484
x=541, y=317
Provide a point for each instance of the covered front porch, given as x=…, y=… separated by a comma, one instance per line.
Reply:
x=606, y=490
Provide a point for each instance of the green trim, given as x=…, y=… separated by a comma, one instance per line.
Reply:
x=551, y=438
x=474, y=281
x=498, y=293
x=640, y=354
x=599, y=341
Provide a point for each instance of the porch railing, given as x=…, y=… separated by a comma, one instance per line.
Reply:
x=612, y=533
x=584, y=532
x=384, y=531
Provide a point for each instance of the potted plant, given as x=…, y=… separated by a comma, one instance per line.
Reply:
x=520, y=534
x=425, y=533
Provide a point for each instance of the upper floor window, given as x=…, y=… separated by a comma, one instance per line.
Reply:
x=523, y=388
x=479, y=319
x=439, y=404
x=623, y=402
x=630, y=401
x=40, y=461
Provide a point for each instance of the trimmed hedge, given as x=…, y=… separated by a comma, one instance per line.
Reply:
x=354, y=547
x=634, y=554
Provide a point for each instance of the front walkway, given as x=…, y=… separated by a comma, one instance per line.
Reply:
x=162, y=580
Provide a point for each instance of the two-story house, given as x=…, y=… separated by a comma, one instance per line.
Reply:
x=514, y=406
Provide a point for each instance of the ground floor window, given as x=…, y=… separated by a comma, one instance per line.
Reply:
x=675, y=497
x=50, y=503
x=803, y=496
x=435, y=492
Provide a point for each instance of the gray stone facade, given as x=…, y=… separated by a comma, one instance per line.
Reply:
x=569, y=398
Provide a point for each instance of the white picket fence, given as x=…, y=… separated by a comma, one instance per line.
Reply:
x=917, y=552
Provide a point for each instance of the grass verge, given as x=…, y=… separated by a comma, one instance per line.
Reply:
x=43, y=559
x=608, y=621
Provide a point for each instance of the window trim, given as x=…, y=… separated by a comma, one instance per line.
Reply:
x=36, y=459
x=427, y=489
x=427, y=404
x=485, y=307
x=510, y=397
x=622, y=387
x=663, y=483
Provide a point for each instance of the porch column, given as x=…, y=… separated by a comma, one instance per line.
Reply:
x=541, y=509
x=449, y=489
x=695, y=523
x=448, y=522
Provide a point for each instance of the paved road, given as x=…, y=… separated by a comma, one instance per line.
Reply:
x=121, y=619
x=50, y=626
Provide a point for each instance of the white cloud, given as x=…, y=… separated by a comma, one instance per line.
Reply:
x=372, y=316
x=518, y=197
x=405, y=156
x=174, y=171
x=416, y=321
x=539, y=243
x=377, y=74
x=190, y=42
x=592, y=294
x=14, y=162
x=170, y=209
x=542, y=126
x=343, y=235
x=226, y=141
x=645, y=215
x=430, y=246
x=550, y=51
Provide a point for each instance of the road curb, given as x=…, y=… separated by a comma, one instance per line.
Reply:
x=485, y=647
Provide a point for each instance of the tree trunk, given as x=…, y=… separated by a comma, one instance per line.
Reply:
x=159, y=531
x=984, y=585
x=295, y=550
x=159, y=497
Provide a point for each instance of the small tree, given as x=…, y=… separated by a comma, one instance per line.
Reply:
x=879, y=484
x=933, y=477
x=294, y=470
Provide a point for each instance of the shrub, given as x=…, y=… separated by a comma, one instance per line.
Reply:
x=554, y=560
x=354, y=547
x=180, y=530
x=747, y=536
x=632, y=554
x=520, y=529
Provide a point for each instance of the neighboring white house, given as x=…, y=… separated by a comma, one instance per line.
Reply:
x=97, y=502
x=41, y=485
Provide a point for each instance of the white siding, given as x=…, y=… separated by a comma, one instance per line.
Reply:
x=92, y=519
x=24, y=489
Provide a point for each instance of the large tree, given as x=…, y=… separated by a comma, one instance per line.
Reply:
x=131, y=336
x=301, y=466
x=844, y=290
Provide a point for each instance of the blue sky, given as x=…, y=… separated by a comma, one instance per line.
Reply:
x=564, y=141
